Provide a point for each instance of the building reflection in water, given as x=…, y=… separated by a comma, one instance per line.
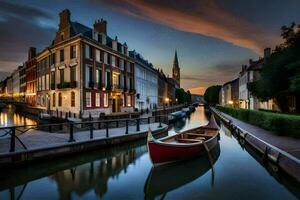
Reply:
x=163, y=179
x=9, y=117
x=94, y=175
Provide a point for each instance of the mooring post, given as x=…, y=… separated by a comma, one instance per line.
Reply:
x=159, y=118
x=106, y=124
x=138, y=124
x=126, y=131
x=91, y=131
x=13, y=139
x=71, y=139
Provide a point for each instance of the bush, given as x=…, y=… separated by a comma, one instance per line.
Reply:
x=281, y=124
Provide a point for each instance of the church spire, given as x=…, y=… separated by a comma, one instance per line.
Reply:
x=176, y=70
x=175, y=58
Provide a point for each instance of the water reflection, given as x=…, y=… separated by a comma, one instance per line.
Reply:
x=164, y=179
x=94, y=175
x=9, y=117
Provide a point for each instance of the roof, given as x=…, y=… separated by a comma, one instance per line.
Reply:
x=256, y=65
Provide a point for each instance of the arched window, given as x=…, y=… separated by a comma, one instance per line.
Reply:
x=72, y=99
x=59, y=99
x=53, y=99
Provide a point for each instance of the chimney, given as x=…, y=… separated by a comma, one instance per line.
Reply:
x=267, y=52
x=31, y=53
x=100, y=26
x=65, y=19
x=250, y=61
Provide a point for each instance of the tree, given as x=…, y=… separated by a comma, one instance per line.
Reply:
x=280, y=75
x=182, y=96
x=211, y=95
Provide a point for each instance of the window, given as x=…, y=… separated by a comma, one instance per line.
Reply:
x=73, y=73
x=121, y=64
x=52, y=78
x=113, y=61
x=73, y=52
x=61, y=76
x=105, y=100
x=72, y=99
x=91, y=52
x=107, y=78
x=62, y=36
x=59, y=99
x=97, y=100
x=43, y=82
x=47, y=81
x=88, y=99
x=53, y=58
x=99, y=77
x=53, y=99
x=62, y=55
x=87, y=51
x=105, y=58
x=97, y=55
x=88, y=75
x=128, y=100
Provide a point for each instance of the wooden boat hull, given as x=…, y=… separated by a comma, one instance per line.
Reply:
x=163, y=179
x=161, y=153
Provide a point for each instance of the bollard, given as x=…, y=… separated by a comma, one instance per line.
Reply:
x=138, y=124
x=13, y=140
x=106, y=124
x=159, y=126
x=71, y=139
x=91, y=131
x=99, y=125
x=117, y=124
x=126, y=131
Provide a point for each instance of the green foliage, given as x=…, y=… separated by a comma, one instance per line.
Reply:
x=280, y=75
x=211, y=95
x=182, y=96
x=281, y=124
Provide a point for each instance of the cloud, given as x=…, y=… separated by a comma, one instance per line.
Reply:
x=197, y=90
x=205, y=17
x=20, y=28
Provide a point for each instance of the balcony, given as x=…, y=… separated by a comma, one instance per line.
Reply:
x=117, y=87
x=52, y=86
x=73, y=84
x=91, y=84
x=63, y=85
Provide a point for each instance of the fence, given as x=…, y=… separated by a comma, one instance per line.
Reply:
x=72, y=127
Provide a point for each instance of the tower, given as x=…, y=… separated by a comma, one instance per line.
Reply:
x=176, y=70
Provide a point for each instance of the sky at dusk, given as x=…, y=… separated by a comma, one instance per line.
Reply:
x=213, y=38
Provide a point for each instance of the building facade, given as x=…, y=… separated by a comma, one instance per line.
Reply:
x=146, y=82
x=85, y=71
x=229, y=94
x=30, y=71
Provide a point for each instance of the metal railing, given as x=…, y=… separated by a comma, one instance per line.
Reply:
x=90, y=126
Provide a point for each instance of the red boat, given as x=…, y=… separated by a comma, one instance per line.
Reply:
x=186, y=145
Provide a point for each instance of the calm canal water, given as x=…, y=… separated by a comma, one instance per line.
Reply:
x=126, y=172
x=10, y=117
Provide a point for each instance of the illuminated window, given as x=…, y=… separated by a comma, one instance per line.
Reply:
x=72, y=99
x=105, y=100
x=88, y=99
x=59, y=99
x=97, y=96
x=53, y=99
x=128, y=100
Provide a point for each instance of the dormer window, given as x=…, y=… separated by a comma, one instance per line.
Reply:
x=62, y=37
x=100, y=38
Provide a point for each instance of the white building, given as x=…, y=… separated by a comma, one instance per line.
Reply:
x=146, y=82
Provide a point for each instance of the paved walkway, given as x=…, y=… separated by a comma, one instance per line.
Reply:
x=288, y=144
x=34, y=139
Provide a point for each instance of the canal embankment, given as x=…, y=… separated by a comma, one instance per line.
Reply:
x=283, y=151
x=41, y=145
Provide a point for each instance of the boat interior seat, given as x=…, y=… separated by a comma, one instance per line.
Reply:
x=189, y=140
x=198, y=135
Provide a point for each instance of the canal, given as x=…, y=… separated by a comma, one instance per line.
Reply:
x=10, y=116
x=125, y=172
